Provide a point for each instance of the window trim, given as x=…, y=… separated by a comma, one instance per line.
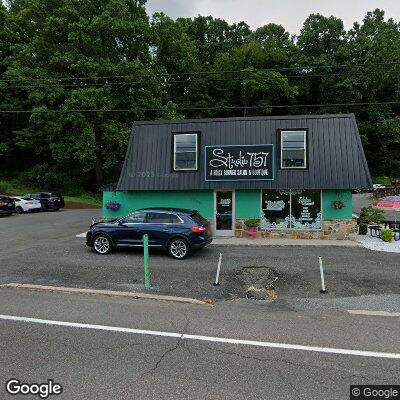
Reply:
x=174, y=134
x=280, y=134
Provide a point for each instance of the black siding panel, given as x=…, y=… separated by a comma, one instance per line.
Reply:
x=336, y=158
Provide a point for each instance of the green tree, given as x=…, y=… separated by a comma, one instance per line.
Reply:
x=175, y=54
x=93, y=39
x=213, y=35
x=320, y=36
x=4, y=55
x=62, y=59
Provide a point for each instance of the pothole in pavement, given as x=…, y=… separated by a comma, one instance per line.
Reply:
x=253, y=282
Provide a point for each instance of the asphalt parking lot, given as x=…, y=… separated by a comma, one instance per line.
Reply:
x=92, y=363
x=361, y=200
x=43, y=249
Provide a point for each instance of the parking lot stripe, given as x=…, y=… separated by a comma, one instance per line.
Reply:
x=184, y=336
x=374, y=313
x=81, y=235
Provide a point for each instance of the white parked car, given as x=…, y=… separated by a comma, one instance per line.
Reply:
x=378, y=186
x=27, y=204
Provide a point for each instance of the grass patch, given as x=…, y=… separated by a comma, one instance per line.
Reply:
x=3, y=186
x=85, y=198
x=382, y=180
x=17, y=189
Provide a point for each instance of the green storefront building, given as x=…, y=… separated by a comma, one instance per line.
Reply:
x=294, y=174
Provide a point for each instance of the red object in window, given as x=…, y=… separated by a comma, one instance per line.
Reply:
x=198, y=229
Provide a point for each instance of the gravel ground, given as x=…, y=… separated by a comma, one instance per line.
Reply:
x=377, y=244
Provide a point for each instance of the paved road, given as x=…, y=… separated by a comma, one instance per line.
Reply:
x=42, y=249
x=97, y=364
x=361, y=200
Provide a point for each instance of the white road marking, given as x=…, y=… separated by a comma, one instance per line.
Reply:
x=81, y=235
x=374, y=313
x=182, y=336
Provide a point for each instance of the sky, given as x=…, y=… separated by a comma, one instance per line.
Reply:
x=288, y=13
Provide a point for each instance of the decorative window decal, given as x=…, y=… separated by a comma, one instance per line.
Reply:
x=275, y=205
x=291, y=209
x=275, y=209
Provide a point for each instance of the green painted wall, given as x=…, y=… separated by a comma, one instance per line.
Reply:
x=201, y=200
x=329, y=212
x=248, y=204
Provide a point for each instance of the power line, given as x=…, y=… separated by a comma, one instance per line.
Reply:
x=201, y=108
x=300, y=68
x=85, y=85
x=81, y=85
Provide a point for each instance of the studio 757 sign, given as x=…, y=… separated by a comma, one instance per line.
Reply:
x=239, y=162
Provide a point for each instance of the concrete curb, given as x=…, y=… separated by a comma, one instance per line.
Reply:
x=285, y=243
x=114, y=293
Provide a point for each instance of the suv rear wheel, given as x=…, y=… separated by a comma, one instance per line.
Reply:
x=19, y=210
x=178, y=248
x=102, y=244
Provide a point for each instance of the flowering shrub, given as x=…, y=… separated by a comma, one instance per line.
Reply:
x=252, y=223
x=113, y=205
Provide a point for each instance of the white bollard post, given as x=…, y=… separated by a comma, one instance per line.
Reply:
x=216, y=283
x=321, y=270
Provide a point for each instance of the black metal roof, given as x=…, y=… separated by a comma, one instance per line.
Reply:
x=336, y=158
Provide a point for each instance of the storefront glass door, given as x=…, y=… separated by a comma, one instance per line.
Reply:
x=224, y=213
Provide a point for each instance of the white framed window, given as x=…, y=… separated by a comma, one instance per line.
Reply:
x=186, y=151
x=293, y=149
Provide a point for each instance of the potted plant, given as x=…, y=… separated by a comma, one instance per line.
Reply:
x=362, y=229
x=252, y=227
x=113, y=205
x=338, y=204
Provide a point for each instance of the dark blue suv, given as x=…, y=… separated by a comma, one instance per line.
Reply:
x=177, y=230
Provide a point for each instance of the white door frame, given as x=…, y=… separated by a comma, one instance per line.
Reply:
x=225, y=232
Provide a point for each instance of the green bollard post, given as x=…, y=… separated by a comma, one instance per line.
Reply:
x=147, y=273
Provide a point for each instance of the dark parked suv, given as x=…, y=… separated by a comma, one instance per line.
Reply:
x=7, y=205
x=176, y=230
x=49, y=201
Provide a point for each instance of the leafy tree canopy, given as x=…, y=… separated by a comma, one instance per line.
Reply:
x=73, y=64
